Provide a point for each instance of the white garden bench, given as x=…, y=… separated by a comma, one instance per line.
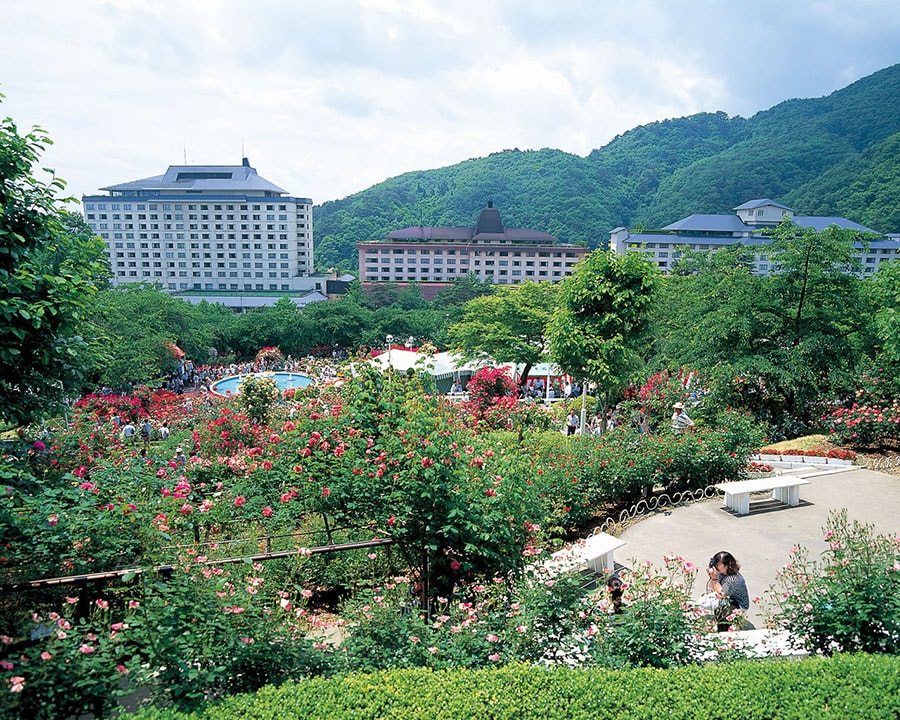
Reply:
x=785, y=489
x=598, y=552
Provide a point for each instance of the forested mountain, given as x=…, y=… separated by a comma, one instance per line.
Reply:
x=836, y=155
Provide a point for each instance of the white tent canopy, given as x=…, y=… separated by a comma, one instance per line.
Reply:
x=540, y=370
x=440, y=365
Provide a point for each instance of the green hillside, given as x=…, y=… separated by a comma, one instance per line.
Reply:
x=836, y=155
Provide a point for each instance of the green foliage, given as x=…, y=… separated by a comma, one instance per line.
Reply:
x=462, y=290
x=863, y=186
x=829, y=156
x=849, y=601
x=510, y=326
x=68, y=665
x=819, y=687
x=883, y=294
x=70, y=527
x=603, y=315
x=136, y=324
x=535, y=619
x=207, y=632
x=49, y=267
x=777, y=346
x=659, y=625
x=577, y=475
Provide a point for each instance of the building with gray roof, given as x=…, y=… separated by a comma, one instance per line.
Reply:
x=216, y=228
x=747, y=227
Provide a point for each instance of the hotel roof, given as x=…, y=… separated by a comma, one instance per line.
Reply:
x=732, y=224
x=203, y=178
x=489, y=228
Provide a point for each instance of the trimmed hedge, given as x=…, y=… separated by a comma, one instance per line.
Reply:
x=843, y=686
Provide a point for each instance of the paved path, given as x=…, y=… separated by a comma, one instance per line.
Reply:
x=762, y=540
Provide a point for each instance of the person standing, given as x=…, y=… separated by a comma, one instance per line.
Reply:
x=164, y=431
x=572, y=423
x=681, y=422
x=146, y=429
x=128, y=432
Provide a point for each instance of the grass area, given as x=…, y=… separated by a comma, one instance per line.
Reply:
x=807, y=442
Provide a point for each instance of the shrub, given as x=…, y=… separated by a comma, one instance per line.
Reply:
x=580, y=475
x=64, y=666
x=865, y=685
x=534, y=619
x=660, y=625
x=850, y=600
x=257, y=397
x=873, y=425
x=207, y=631
x=492, y=398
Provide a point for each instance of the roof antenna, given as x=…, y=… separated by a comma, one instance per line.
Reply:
x=185, y=152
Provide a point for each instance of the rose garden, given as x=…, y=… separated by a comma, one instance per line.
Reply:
x=354, y=527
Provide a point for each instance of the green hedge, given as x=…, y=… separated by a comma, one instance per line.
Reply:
x=843, y=686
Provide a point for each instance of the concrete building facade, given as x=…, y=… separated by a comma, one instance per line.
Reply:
x=216, y=228
x=490, y=251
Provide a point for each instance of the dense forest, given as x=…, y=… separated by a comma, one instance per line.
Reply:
x=835, y=155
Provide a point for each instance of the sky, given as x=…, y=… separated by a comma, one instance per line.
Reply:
x=329, y=97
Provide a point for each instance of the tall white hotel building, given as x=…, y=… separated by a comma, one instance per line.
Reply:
x=206, y=228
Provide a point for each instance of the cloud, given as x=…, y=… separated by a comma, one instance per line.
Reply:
x=328, y=98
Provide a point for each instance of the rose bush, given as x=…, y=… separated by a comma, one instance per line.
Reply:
x=849, y=601
x=383, y=455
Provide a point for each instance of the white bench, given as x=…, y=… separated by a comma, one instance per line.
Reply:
x=598, y=552
x=785, y=489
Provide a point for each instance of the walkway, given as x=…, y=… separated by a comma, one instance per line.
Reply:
x=762, y=540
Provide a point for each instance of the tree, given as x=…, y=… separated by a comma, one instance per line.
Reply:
x=603, y=318
x=510, y=325
x=282, y=325
x=776, y=345
x=47, y=275
x=462, y=290
x=822, y=312
x=714, y=309
x=378, y=295
x=716, y=317
x=137, y=324
x=814, y=271
x=884, y=296
x=337, y=322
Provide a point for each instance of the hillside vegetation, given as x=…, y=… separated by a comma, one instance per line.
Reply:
x=835, y=155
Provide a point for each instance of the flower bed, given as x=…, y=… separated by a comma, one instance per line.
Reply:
x=835, y=453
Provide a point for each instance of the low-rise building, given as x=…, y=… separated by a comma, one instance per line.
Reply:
x=488, y=250
x=746, y=226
